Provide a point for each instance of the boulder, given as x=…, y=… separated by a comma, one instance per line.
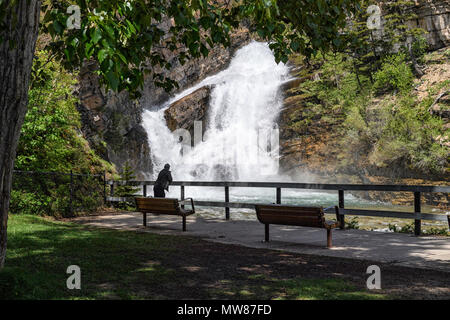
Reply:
x=182, y=113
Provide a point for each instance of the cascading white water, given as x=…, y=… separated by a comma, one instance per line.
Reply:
x=244, y=105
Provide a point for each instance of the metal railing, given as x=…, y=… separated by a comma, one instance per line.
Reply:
x=68, y=191
x=417, y=191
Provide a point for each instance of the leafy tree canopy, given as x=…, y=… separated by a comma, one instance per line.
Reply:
x=126, y=37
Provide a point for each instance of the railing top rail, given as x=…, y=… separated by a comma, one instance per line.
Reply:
x=57, y=173
x=294, y=185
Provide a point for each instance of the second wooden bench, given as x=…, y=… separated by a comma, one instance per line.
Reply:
x=296, y=216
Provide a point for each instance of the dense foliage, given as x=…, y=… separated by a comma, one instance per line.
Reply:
x=51, y=141
x=131, y=38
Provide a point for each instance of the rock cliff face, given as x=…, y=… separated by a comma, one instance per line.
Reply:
x=112, y=123
x=305, y=148
x=433, y=16
x=193, y=71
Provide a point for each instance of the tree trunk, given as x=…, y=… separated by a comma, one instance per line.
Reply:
x=417, y=69
x=18, y=40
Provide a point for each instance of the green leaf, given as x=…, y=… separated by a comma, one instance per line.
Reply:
x=122, y=57
x=102, y=54
x=131, y=27
x=96, y=36
x=113, y=80
x=204, y=50
x=58, y=27
x=295, y=45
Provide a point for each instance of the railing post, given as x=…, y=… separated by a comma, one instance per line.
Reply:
x=227, y=199
x=182, y=195
x=104, y=187
x=71, y=193
x=278, y=195
x=417, y=209
x=144, y=190
x=111, y=191
x=341, y=206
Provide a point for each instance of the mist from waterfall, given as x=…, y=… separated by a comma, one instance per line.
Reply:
x=241, y=138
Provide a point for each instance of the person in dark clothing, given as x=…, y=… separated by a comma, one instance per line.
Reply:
x=163, y=182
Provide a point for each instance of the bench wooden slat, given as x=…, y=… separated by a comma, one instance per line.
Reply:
x=290, y=218
x=286, y=213
x=311, y=222
x=297, y=210
x=157, y=207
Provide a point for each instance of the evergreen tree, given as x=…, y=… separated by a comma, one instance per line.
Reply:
x=126, y=175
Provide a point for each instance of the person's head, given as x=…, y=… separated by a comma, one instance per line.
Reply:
x=167, y=166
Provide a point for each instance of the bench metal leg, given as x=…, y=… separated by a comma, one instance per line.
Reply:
x=329, y=241
x=145, y=219
x=184, y=223
x=266, y=232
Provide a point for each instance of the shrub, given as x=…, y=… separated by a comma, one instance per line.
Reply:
x=352, y=224
x=437, y=231
x=26, y=202
x=407, y=228
x=50, y=141
x=419, y=48
x=394, y=74
x=447, y=53
x=405, y=138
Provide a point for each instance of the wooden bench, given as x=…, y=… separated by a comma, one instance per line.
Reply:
x=296, y=216
x=164, y=206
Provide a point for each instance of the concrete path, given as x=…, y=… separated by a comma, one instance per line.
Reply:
x=395, y=248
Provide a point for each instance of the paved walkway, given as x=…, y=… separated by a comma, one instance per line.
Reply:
x=395, y=248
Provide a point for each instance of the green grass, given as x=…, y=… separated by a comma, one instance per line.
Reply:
x=132, y=265
x=323, y=289
x=299, y=289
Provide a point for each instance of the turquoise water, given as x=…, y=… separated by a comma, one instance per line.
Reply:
x=288, y=196
x=263, y=195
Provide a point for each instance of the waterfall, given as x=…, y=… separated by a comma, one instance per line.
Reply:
x=241, y=138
